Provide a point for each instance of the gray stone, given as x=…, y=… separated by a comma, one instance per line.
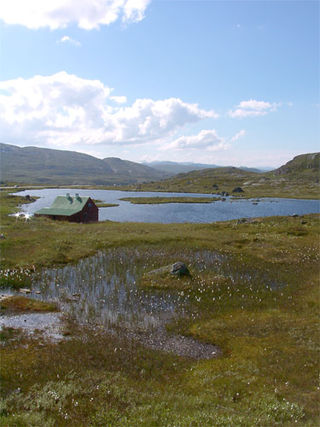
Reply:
x=179, y=269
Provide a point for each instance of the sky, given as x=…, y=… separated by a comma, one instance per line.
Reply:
x=217, y=82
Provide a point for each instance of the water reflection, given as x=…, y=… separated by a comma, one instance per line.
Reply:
x=103, y=288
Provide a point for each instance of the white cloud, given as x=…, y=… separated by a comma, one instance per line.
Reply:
x=253, y=108
x=205, y=140
x=63, y=110
x=67, y=39
x=238, y=135
x=119, y=99
x=87, y=14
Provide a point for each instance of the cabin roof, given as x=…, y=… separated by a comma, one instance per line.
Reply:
x=65, y=205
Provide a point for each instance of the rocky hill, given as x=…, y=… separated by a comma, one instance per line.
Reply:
x=303, y=166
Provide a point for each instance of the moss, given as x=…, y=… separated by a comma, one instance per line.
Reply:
x=23, y=304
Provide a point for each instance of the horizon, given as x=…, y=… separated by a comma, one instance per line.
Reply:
x=220, y=83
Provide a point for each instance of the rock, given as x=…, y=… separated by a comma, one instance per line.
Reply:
x=238, y=190
x=215, y=186
x=179, y=269
x=242, y=220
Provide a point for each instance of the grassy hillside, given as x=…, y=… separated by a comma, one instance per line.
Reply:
x=32, y=165
x=132, y=169
x=298, y=178
x=305, y=166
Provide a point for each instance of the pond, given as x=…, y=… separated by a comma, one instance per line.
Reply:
x=176, y=212
x=103, y=292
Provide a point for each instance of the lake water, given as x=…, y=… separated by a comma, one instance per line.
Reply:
x=176, y=212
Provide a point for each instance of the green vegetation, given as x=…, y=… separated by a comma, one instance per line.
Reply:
x=269, y=336
x=160, y=200
x=20, y=304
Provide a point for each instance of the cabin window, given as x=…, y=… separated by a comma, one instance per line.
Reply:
x=90, y=205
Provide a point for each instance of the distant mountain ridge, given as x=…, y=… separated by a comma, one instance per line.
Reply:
x=298, y=177
x=33, y=165
x=174, y=168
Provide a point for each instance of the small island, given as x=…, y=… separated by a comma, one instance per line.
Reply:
x=160, y=200
x=101, y=204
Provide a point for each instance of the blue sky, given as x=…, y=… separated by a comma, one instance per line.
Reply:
x=221, y=82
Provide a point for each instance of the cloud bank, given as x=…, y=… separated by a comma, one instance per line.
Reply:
x=252, y=108
x=87, y=14
x=64, y=110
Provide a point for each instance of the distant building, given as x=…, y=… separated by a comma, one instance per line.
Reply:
x=72, y=209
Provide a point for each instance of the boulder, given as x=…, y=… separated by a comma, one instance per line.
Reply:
x=238, y=190
x=179, y=269
x=176, y=276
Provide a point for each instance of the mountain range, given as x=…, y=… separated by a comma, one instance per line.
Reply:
x=43, y=166
x=174, y=168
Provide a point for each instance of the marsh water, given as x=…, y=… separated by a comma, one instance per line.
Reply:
x=103, y=291
x=175, y=212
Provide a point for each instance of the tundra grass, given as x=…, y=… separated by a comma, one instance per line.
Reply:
x=161, y=200
x=264, y=318
x=213, y=181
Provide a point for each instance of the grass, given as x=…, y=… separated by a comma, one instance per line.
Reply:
x=261, y=309
x=18, y=304
x=160, y=200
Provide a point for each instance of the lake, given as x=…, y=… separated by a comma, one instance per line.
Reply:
x=175, y=212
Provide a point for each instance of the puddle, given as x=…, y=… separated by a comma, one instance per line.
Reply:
x=102, y=291
x=49, y=325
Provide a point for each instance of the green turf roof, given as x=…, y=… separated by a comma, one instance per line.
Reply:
x=64, y=206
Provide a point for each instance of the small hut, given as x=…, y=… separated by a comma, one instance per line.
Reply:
x=72, y=209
